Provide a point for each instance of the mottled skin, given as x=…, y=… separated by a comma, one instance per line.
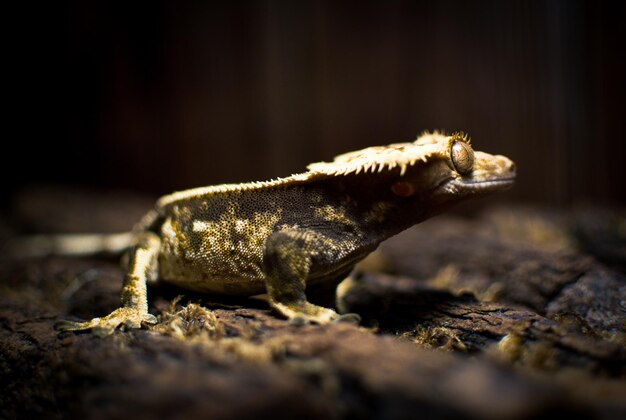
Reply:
x=310, y=229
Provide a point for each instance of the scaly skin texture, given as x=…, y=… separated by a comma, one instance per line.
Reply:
x=306, y=230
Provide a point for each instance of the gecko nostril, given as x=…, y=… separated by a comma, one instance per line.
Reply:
x=512, y=167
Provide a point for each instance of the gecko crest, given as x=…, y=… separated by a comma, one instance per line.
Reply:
x=397, y=155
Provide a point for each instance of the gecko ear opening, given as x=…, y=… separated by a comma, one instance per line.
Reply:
x=402, y=189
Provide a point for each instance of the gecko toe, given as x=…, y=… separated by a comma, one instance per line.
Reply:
x=65, y=325
x=299, y=321
x=349, y=318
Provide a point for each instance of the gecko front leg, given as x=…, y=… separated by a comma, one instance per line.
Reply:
x=288, y=258
x=143, y=266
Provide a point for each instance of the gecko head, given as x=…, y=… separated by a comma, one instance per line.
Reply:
x=455, y=172
x=434, y=169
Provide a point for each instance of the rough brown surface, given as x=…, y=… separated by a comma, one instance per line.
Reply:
x=509, y=314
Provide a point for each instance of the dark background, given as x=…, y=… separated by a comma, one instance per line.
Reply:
x=159, y=96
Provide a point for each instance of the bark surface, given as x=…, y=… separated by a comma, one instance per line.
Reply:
x=512, y=313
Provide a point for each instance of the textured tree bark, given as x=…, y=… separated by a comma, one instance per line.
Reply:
x=495, y=316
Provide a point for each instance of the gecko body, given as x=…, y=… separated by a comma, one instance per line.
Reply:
x=291, y=235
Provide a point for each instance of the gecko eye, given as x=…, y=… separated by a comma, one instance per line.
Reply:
x=462, y=157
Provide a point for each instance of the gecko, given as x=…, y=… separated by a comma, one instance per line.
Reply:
x=290, y=236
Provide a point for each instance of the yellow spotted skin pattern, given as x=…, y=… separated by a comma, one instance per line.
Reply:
x=216, y=244
x=286, y=236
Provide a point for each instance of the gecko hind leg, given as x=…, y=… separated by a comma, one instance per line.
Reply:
x=143, y=265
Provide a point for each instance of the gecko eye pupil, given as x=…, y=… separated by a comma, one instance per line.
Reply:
x=462, y=157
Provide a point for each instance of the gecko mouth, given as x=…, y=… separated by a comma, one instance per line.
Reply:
x=485, y=185
x=488, y=182
x=475, y=186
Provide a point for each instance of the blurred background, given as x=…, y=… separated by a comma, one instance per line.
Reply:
x=151, y=97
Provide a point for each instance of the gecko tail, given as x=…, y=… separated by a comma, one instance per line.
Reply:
x=80, y=244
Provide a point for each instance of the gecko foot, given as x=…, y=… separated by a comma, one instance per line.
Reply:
x=126, y=317
x=349, y=318
x=304, y=313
